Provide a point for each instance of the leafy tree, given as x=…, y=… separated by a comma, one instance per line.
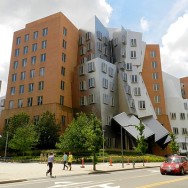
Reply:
x=142, y=145
x=48, y=131
x=84, y=134
x=173, y=143
x=18, y=120
x=24, y=138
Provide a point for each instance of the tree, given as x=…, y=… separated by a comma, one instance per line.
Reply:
x=24, y=138
x=142, y=145
x=48, y=131
x=173, y=143
x=84, y=134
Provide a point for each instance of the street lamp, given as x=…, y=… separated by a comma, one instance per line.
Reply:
x=122, y=143
x=6, y=147
x=103, y=143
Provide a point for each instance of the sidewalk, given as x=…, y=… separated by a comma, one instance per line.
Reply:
x=12, y=172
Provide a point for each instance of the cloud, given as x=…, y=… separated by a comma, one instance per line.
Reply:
x=15, y=14
x=144, y=24
x=174, y=48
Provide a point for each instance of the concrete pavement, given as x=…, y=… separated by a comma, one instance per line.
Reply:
x=14, y=172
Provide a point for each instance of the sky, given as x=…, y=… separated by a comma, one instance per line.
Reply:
x=163, y=22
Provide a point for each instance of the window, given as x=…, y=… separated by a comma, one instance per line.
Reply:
x=41, y=71
x=105, y=99
x=26, y=38
x=185, y=106
x=154, y=64
x=128, y=66
x=99, y=46
x=184, y=146
x=45, y=32
x=157, y=99
x=155, y=75
x=23, y=75
x=83, y=101
x=115, y=42
x=20, y=103
x=89, y=46
x=12, y=90
x=33, y=60
x=83, y=85
x=128, y=89
x=104, y=67
x=124, y=76
x=156, y=87
x=133, y=54
x=175, y=130
x=29, y=101
x=63, y=71
x=111, y=86
x=91, y=99
x=133, y=42
x=11, y=104
x=24, y=62
x=91, y=82
x=14, y=77
x=108, y=120
x=64, y=57
x=182, y=116
x=134, y=78
x=184, y=131
x=39, y=100
x=17, y=52
x=21, y=89
x=112, y=101
x=99, y=35
x=35, y=119
x=41, y=85
x=153, y=53
x=173, y=116
x=81, y=40
x=18, y=40
x=35, y=35
x=15, y=65
x=31, y=87
x=25, y=50
x=32, y=73
x=81, y=70
x=44, y=44
x=88, y=35
x=62, y=86
x=42, y=57
x=111, y=71
x=141, y=105
x=158, y=111
x=82, y=50
x=91, y=67
x=105, y=83
x=64, y=44
x=34, y=47
x=64, y=31
x=137, y=91
x=63, y=120
x=61, y=100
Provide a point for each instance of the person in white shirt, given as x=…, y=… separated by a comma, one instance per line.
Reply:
x=50, y=164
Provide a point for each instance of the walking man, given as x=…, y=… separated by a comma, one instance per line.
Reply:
x=65, y=161
x=50, y=164
x=70, y=158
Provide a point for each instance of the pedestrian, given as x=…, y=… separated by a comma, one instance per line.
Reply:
x=70, y=158
x=65, y=161
x=50, y=164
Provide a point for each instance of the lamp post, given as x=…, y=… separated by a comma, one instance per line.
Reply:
x=103, y=144
x=6, y=147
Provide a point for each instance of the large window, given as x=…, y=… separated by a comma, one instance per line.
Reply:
x=25, y=50
x=21, y=89
x=35, y=35
x=23, y=75
x=31, y=87
x=18, y=40
x=91, y=67
x=41, y=85
x=44, y=44
x=45, y=32
x=43, y=57
x=39, y=100
x=175, y=130
x=29, y=101
x=33, y=60
x=32, y=73
x=20, y=103
x=24, y=62
x=155, y=75
x=15, y=65
x=91, y=82
x=41, y=71
x=133, y=54
x=141, y=105
x=133, y=42
x=14, y=77
x=34, y=47
x=12, y=90
x=156, y=87
x=26, y=38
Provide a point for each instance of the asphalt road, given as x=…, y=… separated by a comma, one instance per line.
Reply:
x=142, y=178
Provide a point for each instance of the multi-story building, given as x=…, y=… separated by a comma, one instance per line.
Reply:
x=177, y=110
x=43, y=58
x=56, y=67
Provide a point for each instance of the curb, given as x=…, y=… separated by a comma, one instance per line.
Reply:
x=89, y=173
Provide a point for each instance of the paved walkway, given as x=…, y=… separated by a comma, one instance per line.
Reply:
x=11, y=172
